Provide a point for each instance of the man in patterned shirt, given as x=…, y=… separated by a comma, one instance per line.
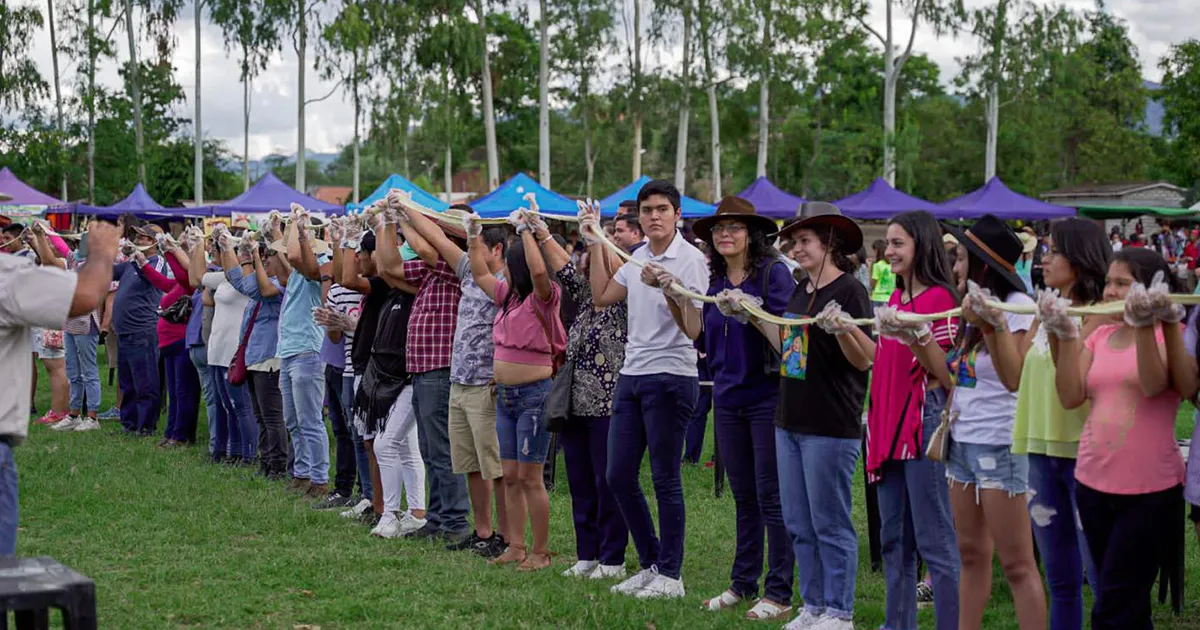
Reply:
x=430, y=345
x=474, y=446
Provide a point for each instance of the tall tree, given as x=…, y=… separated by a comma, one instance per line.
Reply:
x=940, y=15
x=489, y=109
x=198, y=137
x=88, y=29
x=135, y=91
x=544, y=95
x=58, y=101
x=253, y=28
x=1181, y=105
x=304, y=14
x=345, y=53
x=633, y=38
x=21, y=84
x=584, y=38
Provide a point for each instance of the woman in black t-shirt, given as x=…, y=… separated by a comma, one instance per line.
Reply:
x=818, y=421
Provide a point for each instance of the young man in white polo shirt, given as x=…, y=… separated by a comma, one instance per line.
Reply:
x=658, y=385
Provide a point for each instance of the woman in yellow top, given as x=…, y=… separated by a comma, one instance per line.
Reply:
x=1076, y=266
x=883, y=281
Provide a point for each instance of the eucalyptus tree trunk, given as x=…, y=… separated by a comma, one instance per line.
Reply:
x=637, y=89
x=714, y=117
x=489, y=110
x=57, y=95
x=764, y=97
x=544, y=99
x=685, y=102
x=135, y=88
x=198, y=175
x=301, y=53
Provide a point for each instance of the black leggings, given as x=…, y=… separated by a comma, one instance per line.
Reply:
x=268, y=409
x=1127, y=535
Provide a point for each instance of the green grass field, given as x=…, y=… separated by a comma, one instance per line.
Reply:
x=174, y=542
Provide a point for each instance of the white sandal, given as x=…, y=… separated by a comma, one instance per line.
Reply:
x=725, y=600
x=764, y=610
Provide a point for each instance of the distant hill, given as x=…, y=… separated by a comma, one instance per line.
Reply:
x=257, y=167
x=1154, y=109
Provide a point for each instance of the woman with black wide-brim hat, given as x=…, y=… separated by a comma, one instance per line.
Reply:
x=818, y=422
x=988, y=481
x=745, y=377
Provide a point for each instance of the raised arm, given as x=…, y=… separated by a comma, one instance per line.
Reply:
x=196, y=264
x=433, y=235
x=606, y=290
x=1180, y=363
x=160, y=282
x=179, y=262
x=425, y=251
x=537, y=266
x=95, y=276
x=306, y=262
x=266, y=288
x=1153, y=375
x=391, y=266
x=476, y=249
x=556, y=256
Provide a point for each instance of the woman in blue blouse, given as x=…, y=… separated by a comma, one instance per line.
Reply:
x=745, y=372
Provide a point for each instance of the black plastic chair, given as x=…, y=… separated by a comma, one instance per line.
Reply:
x=30, y=587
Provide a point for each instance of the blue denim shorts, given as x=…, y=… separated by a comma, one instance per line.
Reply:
x=519, y=422
x=988, y=467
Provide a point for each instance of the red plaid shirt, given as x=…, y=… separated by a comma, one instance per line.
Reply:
x=434, y=315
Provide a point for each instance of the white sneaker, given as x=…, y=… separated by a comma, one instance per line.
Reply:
x=409, y=524
x=833, y=623
x=87, y=424
x=357, y=510
x=66, y=424
x=583, y=568
x=608, y=572
x=388, y=527
x=661, y=587
x=633, y=585
x=804, y=621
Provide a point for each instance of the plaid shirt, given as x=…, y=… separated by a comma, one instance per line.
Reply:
x=434, y=315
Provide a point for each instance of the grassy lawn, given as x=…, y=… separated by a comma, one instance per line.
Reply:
x=174, y=542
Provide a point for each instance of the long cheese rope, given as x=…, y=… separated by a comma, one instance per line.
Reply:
x=1107, y=308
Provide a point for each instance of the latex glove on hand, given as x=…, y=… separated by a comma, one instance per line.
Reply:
x=833, y=320
x=127, y=247
x=978, y=310
x=352, y=231
x=471, y=225
x=535, y=221
x=1139, y=307
x=166, y=243
x=1052, y=313
x=139, y=258
x=1165, y=310
x=889, y=324
x=516, y=218
x=730, y=303
x=336, y=230
x=651, y=275
x=224, y=241
x=589, y=221
x=245, y=248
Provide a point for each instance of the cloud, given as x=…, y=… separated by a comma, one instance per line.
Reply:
x=1154, y=25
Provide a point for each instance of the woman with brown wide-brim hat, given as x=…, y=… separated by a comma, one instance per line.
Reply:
x=817, y=428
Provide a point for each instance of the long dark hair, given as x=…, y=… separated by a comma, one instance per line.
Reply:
x=1088, y=251
x=758, y=250
x=520, y=281
x=1143, y=263
x=930, y=265
x=880, y=249
x=988, y=278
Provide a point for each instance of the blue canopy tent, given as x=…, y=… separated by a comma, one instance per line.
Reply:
x=396, y=181
x=692, y=208
x=267, y=194
x=510, y=196
x=140, y=204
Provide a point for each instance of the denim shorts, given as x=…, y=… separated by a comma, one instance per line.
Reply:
x=519, y=422
x=988, y=467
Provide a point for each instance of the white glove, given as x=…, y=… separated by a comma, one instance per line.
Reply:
x=299, y=214
x=165, y=242
x=352, y=232
x=396, y=199
x=1052, y=313
x=729, y=302
x=516, y=218
x=534, y=220
x=652, y=275
x=1145, y=305
x=336, y=230
x=977, y=300
x=833, y=320
x=889, y=324
x=471, y=225
x=589, y=221
x=139, y=258
x=224, y=241
x=127, y=247
x=245, y=248
x=1165, y=310
x=192, y=236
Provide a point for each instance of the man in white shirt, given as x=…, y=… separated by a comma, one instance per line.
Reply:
x=657, y=389
x=46, y=297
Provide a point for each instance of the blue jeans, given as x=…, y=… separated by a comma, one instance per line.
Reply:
x=693, y=442
x=302, y=385
x=137, y=374
x=748, y=450
x=9, y=503
x=816, y=474
x=241, y=426
x=362, y=463
x=914, y=512
x=651, y=413
x=448, y=499
x=1060, y=540
x=344, y=461
x=199, y=355
x=82, y=372
x=600, y=532
x=519, y=422
x=183, y=404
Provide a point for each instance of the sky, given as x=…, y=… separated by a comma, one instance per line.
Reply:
x=1154, y=25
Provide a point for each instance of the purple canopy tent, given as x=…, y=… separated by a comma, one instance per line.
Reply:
x=267, y=194
x=881, y=201
x=996, y=198
x=25, y=200
x=770, y=201
x=140, y=204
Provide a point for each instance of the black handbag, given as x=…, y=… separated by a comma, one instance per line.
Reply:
x=558, y=402
x=179, y=311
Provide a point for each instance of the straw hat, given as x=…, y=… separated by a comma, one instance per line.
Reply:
x=733, y=208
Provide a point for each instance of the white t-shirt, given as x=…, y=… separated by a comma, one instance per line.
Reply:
x=986, y=411
x=656, y=345
x=227, y=319
x=30, y=296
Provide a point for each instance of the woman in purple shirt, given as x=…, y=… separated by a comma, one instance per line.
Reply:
x=745, y=373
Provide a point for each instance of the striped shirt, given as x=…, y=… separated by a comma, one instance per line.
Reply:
x=434, y=315
x=347, y=302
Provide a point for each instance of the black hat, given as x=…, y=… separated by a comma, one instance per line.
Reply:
x=733, y=208
x=814, y=214
x=991, y=241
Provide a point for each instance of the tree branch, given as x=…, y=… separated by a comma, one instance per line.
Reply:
x=871, y=30
x=330, y=93
x=912, y=36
